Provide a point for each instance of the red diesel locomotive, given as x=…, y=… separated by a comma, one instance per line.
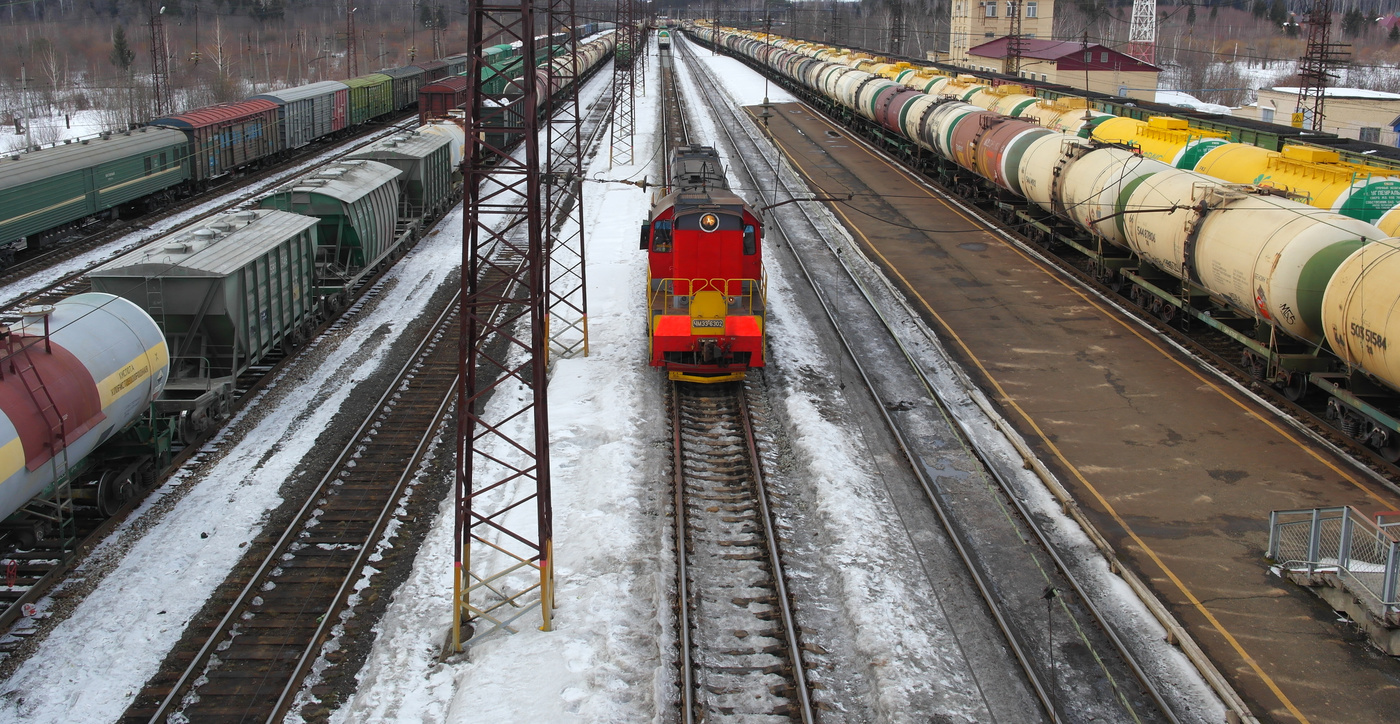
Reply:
x=705, y=282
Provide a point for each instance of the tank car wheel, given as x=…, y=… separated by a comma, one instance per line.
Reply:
x=113, y=492
x=1295, y=386
x=1167, y=313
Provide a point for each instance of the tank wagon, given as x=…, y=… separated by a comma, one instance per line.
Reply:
x=77, y=374
x=1294, y=274
x=356, y=204
x=706, y=288
x=47, y=192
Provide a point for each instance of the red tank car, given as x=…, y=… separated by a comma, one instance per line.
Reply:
x=705, y=283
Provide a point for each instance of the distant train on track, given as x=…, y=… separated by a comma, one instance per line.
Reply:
x=97, y=390
x=1289, y=266
x=706, y=288
x=50, y=191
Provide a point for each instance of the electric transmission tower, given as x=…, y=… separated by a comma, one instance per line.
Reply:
x=1142, y=33
x=1315, y=68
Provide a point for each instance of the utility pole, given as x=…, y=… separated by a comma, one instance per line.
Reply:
x=1015, y=48
x=1315, y=68
x=352, y=65
x=160, y=70
x=1142, y=33
x=28, y=109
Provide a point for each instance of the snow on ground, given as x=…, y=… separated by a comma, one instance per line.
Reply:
x=48, y=130
x=604, y=659
x=746, y=87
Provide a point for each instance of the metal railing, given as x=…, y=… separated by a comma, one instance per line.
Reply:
x=743, y=295
x=1362, y=552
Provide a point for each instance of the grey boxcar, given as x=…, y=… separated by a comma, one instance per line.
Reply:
x=425, y=188
x=356, y=203
x=308, y=112
x=407, y=81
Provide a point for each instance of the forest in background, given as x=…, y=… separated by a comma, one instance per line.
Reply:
x=92, y=59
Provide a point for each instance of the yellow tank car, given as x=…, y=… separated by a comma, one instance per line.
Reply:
x=1066, y=115
x=962, y=88
x=1160, y=138
x=1314, y=176
x=1008, y=100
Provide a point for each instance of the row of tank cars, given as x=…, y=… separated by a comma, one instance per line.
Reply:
x=1289, y=252
x=100, y=389
x=47, y=192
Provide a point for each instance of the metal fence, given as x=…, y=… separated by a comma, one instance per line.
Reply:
x=1363, y=552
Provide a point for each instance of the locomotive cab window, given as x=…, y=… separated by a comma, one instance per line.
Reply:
x=661, y=236
x=750, y=240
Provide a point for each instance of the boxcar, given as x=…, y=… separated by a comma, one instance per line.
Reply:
x=227, y=136
x=407, y=81
x=308, y=112
x=425, y=188
x=356, y=203
x=456, y=64
x=56, y=186
x=432, y=70
x=436, y=99
x=225, y=294
x=371, y=96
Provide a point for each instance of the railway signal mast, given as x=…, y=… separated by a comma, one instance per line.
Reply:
x=1142, y=33
x=1315, y=68
x=503, y=528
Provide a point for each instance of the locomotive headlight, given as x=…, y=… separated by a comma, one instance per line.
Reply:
x=709, y=222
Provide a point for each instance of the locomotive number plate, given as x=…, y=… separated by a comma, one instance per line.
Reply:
x=707, y=322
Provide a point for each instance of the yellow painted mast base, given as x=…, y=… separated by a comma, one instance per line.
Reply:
x=677, y=376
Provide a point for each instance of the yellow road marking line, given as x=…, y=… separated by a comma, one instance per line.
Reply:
x=1190, y=596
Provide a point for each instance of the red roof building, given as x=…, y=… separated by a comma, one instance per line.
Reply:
x=1071, y=63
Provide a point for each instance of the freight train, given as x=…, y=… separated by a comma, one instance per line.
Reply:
x=1300, y=281
x=706, y=288
x=98, y=390
x=47, y=192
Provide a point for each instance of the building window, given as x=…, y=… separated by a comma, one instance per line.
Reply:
x=1266, y=115
x=1029, y=36
x=1031, y=11
x=991, y=9
x=1043, y=78
x=1010, y=8
x=989, y=35
x=1370, y=135
x=1103, y=57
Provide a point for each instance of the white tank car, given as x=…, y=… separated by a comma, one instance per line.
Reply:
x=64, y=393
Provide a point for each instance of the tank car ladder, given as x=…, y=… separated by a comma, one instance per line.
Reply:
x=57, y=508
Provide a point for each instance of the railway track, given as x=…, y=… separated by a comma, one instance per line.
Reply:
x=740, y=654
x=984, y=523
x=257, y=181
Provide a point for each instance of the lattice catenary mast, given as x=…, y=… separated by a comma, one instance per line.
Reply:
x=568, y=282
x=1315, y=67
x=352, y=64
x=1142, y=33
x=503, y=532
x=624, y=88
x=897, y=27
x=1015, y=47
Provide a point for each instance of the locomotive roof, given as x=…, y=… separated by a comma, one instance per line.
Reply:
x=345, y=181
x=57, y=160
x=686, y=201
x=217, y=248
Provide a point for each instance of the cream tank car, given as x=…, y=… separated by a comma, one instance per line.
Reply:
x=72, y=375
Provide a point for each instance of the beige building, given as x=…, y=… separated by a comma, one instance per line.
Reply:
x=974, y=22
x=1348, y=112
x=1071, y=63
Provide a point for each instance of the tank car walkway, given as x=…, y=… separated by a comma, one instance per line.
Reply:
x=1176, y=470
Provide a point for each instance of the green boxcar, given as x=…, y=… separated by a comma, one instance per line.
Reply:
x=56, y=186
x=371, y=96
x=357, y=205
x=425, y=188
x=225, y=293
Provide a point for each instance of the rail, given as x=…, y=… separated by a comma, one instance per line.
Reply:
x=1362, y=552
